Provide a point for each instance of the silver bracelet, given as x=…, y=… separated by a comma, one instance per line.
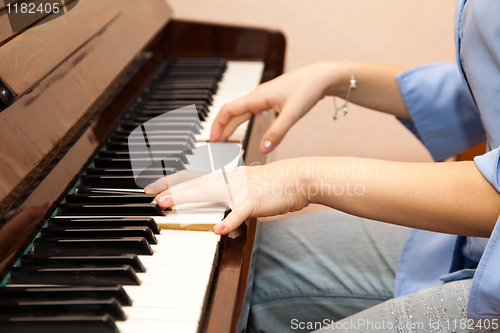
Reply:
x=352, y=86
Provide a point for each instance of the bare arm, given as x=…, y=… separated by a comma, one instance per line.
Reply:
x=377, y=87
x=452, y=198
x=445, y=197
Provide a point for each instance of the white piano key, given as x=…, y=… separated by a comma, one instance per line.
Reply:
x=155, y=291
x=166, y=257
x=174, y=217
x=182, y=247
x=178, y=236
x=141, y=326
x=175, y=277
x=169, y=300
x=240, y=78
x=171, y=313
x=202, y=206
x=180, y=266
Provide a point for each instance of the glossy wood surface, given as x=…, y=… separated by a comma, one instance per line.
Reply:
x=30, y=57
x=41, y=123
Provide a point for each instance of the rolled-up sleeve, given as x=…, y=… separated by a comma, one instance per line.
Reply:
x=484, y=297
x=443, y=114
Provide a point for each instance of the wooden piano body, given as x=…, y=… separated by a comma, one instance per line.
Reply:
x=65, y=83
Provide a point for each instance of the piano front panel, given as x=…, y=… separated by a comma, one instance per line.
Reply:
x=61, y=80
x=226, y=296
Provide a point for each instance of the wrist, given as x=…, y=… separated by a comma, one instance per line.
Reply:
x=338, y=78
x=310, y=177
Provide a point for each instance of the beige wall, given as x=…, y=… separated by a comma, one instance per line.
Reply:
x=388, y=31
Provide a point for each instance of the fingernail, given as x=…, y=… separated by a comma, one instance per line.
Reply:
x=268, y=146
x=165, y=199
x=154, y=202
x=220, y=226
x=150, y=186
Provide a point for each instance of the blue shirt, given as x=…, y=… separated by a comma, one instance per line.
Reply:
x=454, y=107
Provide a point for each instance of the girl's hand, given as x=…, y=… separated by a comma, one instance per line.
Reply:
x=291, y=95
x=250, y=191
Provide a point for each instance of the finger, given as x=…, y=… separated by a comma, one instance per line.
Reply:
x=164, y=183
x=210, y=188
x=237, y=216
x=250, y=103
x=278, y=130
x=158, y=186
x=233, y=124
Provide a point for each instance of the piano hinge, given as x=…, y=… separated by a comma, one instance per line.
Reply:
x=7, y=96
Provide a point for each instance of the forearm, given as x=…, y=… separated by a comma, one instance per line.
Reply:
x=376, y=89
x=445, y=197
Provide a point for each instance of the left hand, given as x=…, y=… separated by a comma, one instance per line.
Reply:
x=259, y=191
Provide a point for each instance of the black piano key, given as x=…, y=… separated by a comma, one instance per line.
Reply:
x=192, y=81
x=172, y=119
x=156, y=145
x=120, y=154
x=92, y=246
x=197, y=62
x=58, y=324
x=168, y=162
x=154, y=138
x=163, y=126
x=172, y=107
x=172, y=163
x=175, y=92
x=124, y=154
x=82, y=261
x=211, y=86
x=99, y=232
x=53, y=308
x=149, y=114
x=168, y=105
x=191, y=134
x=109, y=199
x=96, y=276
x=109, y=210
x=66, y=293
x=104, y=222
x=121, y=161
x=118, y=182
x=181, y=73
x=166, y=96
x=149, y=172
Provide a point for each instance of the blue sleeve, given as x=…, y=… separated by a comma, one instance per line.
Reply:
x=485, y=291
x=443, y=113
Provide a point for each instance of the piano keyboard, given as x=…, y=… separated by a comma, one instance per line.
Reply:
x=105, y=263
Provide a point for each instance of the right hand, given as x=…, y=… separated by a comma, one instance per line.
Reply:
x=291, y=95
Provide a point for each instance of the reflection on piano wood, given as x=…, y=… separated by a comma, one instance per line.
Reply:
x=75, y=79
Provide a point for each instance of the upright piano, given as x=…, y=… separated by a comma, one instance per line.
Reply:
x=74, y=250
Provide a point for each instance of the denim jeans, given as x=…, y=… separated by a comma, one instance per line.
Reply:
x=315, y=269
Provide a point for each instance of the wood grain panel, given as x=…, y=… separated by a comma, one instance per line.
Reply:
x=39, y=124
x=5, y=27
x=8, y=31
x=30, y=57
